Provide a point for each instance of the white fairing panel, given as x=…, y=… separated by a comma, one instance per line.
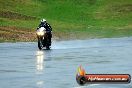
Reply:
x=41, y=29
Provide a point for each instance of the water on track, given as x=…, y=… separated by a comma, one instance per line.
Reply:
x=22, y=65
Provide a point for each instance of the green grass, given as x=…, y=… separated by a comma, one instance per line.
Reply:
x=70, y=18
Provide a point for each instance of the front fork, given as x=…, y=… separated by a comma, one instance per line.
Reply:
x=40, y=39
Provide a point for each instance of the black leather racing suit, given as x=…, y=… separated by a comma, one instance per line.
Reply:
x=48, y=29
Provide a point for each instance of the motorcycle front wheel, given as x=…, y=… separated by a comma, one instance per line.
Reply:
x=40, y=45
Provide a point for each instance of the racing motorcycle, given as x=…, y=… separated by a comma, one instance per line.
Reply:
x=43, y=38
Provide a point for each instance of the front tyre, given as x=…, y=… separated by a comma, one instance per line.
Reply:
x=40, y=45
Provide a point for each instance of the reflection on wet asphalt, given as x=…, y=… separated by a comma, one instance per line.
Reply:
x=22, y=65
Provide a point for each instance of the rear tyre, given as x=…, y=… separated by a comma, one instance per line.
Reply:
x=47, y=42
x=47, y=48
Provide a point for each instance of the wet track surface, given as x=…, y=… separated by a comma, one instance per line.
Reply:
x=22, y=65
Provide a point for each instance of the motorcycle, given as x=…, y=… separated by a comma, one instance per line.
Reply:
x=43, y=38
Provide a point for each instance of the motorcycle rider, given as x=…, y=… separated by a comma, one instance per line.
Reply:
x=47, y=27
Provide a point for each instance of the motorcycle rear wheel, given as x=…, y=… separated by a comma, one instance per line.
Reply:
x=47, y=47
